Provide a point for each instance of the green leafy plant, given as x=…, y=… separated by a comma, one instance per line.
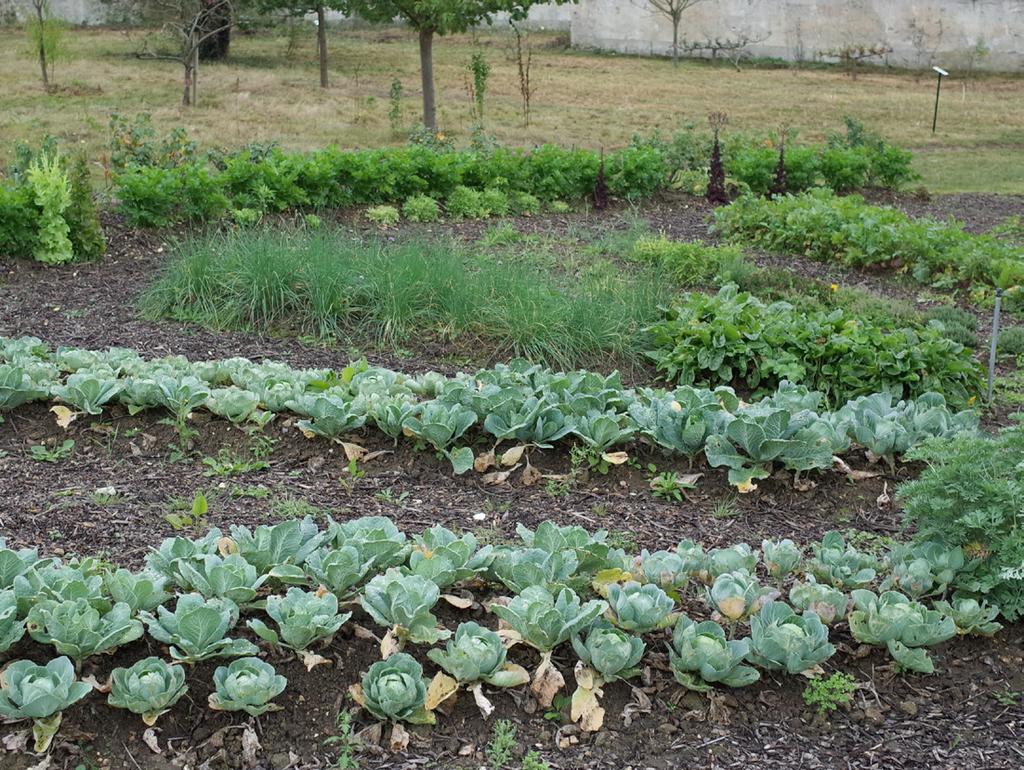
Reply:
x=403, y=603
x=700, y=656
x=197, y=629
x=841, y=565
x=736, y=596
x=44, y=454
x=40, y=693
x=301, y=618
x=394, y=689
x=77, y=629
x=609, y=651
x=221, y=577
x=781, y=557
x=500, y=749
x=638, y=608
x=148, y=688
x=12, y=627
x=826, y=694
x=902, y=626
x=446, y=559
x=246, y=684
x=383, y=216
x=781, y=640
x=970, y=616
x=669, y=486
x=828, y=603
x=421, y=208
x=52, y=191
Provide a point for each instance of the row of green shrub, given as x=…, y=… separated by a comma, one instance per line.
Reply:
x=847, y=161
x=823, y=226
x=46, y=209
x=198, y=190
x=733, y=338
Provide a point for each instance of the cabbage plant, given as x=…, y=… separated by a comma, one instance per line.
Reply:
x=148, y=688
x=88, y=393
x=279, y=550
x=700, y=656
x=666, y=569
x=403, y=603
x=40, y=693
x=339, y=570
x=781, y=640
x=841, y=565
x=165, y=558
x=736, y=595
x=611, y=652
x=139, y=590
x=639, y=608
x=519, y=568
x=302, y=618
x=246, y=684
x=14, y=563
x=197, y=629
x=77, y=629
x=902, y=626
x=394, y=689
x=781, y=557
x=445, y=558
x=221, y=577
x=376, y=539
x=329, y=416
x=969, y=615
x=17, y=388
x=828, y=603
x=924, y=569
x=12, y=625
x=732, y=558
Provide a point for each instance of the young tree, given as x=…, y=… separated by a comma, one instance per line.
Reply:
x=189, y=23
x=673, y=10
x=301, y=8
x=438, y=17
x=44, y=34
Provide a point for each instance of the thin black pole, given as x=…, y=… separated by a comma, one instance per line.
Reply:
x=935, y=117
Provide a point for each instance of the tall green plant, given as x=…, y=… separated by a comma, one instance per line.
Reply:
x=52, y=191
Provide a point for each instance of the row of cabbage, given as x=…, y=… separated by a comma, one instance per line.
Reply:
x=520, y=402
x=561, y=585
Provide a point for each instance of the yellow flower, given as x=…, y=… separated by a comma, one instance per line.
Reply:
x=834, y=286
x=971, y=400
x=440, y=136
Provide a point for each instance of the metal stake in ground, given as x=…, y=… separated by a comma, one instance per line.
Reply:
x=995, y=340
x=938, y=88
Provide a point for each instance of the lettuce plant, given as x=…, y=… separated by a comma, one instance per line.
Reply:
x=638, y=608
x=700, y=655
x=969, y=615
x=902, y=626
x=197, y=629
x=394, y=689
x=301, y=618
x=403, y=603
x=77, y=629
x=828, y=603
x=40, y=693
x=781, y=640
x=246, y=684
x=148, y=688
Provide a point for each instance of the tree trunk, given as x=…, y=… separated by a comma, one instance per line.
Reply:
x=42, y=46
x=195, y=77
x=675, y=42
x=186, y=95
x=427, y=72
x=321, y=42
x=217, y=16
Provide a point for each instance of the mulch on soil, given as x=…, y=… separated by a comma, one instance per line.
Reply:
x=965, y=716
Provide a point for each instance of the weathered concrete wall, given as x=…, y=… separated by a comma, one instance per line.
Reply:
x=949, y=33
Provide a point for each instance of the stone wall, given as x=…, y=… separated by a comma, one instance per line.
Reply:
x=986, y=34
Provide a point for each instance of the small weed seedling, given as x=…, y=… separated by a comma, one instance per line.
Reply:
x=227, y=464
x=1007, y=697
x=195, y=517
x=668, y=486
x=345, y=743
x=387, y=495
x=44, y=454
x=826, y=694
x=294, y=508
x=533, y=761
x=725, y=509
x=502, y=745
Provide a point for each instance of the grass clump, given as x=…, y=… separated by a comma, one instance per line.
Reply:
x=688, y=262
x=326, y=284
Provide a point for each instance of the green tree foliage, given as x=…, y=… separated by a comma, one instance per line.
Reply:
x=438, y=17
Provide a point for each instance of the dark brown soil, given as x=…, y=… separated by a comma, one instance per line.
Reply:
x=967, y=715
